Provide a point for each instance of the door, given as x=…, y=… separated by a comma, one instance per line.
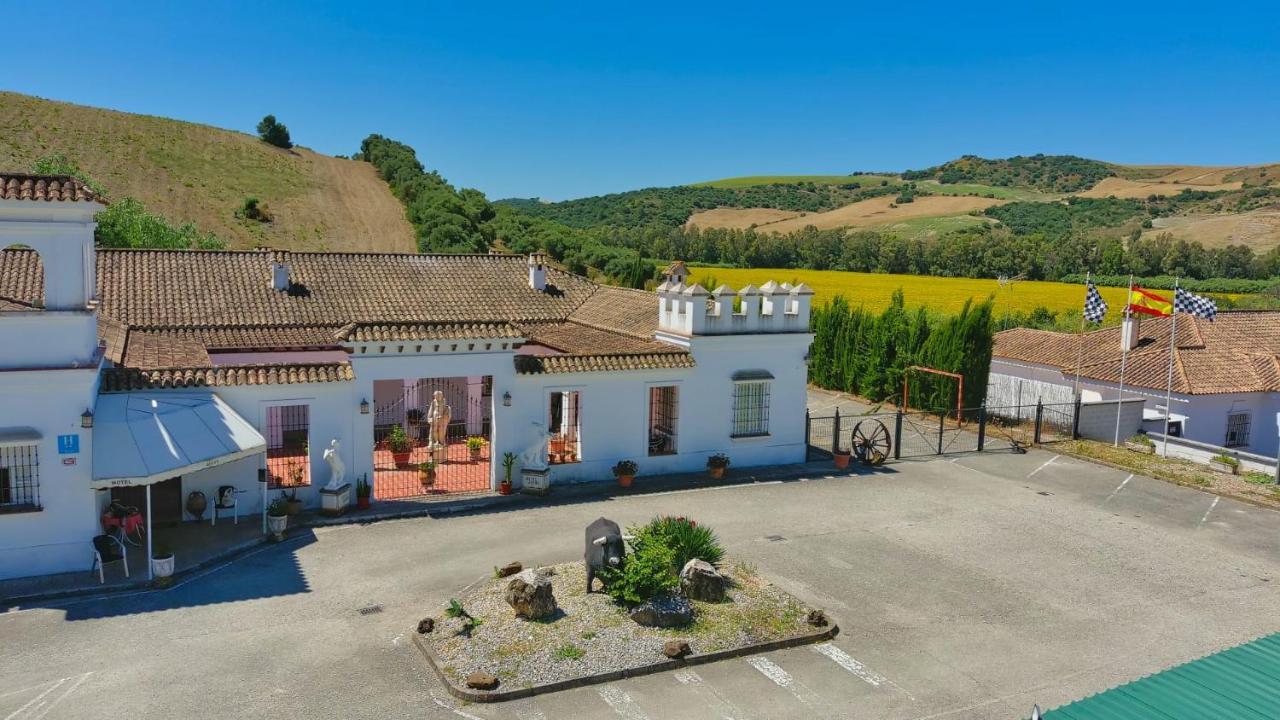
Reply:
x=166, y=500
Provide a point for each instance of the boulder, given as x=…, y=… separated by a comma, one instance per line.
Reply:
x=817, y=618
x=676, y=649
x=509, y=569
x=529, y=594
x=481, y=681
x=666, y=611
x=699, y=580
x=426, y=625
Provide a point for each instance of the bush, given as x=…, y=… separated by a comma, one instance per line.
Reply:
x=251, y=209
x=646, y=573
x=274, y=133
x=684, y=537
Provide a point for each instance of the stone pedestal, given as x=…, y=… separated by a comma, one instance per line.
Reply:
x=439, y=452
x=335, y=502
x=535, y=481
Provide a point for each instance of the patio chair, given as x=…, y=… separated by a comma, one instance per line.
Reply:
x=106, y=549
x=226, y=500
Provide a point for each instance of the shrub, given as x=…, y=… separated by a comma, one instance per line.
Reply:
x=1258, y=478
x=646, y=574
x=252, y=209
x=1226, y=460
x=475, y=442
x=626, y=467
x=718, y=460
x=1142, y=439
x=274, y=133
x=684, y=537
x=398, y=441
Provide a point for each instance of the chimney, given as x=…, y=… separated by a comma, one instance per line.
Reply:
x=279, y=276
x=1130, y=332
x=538, y=271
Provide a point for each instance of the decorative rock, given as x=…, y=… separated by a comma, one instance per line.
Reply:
x=509, y=569
x=665, y=612
x=816, y=618
x=676, y=649
x=529, y=594
x=699, y=580
x=481, y=681
x=426, y=625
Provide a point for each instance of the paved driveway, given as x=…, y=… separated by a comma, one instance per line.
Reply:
x=966, y=587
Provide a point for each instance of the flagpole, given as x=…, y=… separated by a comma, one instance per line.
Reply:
x=1168, y=387
x=1124, y=357
x=1080, y=341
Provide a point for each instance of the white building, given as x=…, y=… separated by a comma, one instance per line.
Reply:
x=1226, y=373
x=147, y=375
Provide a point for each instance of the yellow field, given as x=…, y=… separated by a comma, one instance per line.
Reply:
x=874, y=290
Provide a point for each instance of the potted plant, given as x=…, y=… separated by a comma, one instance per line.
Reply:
x=1140, y=443
x=841, y=458
x=277, y=518
x=427, y=473
x=162, y=562
x=1224, y=463
x=716, y=465
x=196, y=504
x=400, y=446
x=293, y=505
x=475, y=444
x=363, y=491
x=508, y=462
x=625, y=471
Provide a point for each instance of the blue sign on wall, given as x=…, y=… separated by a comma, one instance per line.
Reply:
x=68, y=444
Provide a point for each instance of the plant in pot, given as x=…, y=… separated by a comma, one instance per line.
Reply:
x=427, y=473
x=400, y=445
x=508, y=463
x=196, y=504
x=277, y=518
x=363, y=491
x=162, y=562
x=475, y=444
x=841, y=458
x=716, y=465
x=625, y=471
x=293, y=505
x=1225, y=463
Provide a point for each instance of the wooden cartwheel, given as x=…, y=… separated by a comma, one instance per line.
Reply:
x=871, y=442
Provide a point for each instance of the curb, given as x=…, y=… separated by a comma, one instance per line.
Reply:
x=481, y=696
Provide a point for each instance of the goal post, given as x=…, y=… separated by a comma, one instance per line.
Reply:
x=958, y=377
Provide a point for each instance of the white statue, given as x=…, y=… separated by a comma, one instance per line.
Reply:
x=337, y=470
x=535, y=458
x=439, y=415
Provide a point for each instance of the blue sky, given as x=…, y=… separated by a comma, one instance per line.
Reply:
x=563, y=100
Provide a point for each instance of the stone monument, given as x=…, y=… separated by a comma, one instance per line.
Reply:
x=439, y=415
x=335, y=497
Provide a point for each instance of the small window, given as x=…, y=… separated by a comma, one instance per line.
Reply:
x=288, y=446
x=750, y=408
x=564, y=422
x=19, y=478
x=1237, y=430
x=662, y=419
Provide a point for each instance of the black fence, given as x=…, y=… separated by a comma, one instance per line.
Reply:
x=898, y=435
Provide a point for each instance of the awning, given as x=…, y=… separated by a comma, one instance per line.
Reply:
x=141, y=438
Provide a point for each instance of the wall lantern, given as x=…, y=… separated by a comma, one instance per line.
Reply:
x=86, y=419
x=364, y=407
x=506, y=399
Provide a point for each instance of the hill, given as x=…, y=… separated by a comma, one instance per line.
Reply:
x=1050, y=173
x=186, y=172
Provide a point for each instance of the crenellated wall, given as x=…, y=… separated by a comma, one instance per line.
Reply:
x=771, y=308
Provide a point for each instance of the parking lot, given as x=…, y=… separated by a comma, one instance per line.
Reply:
x=969, y=586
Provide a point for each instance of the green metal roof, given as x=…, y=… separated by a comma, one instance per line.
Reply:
x=1242, y=683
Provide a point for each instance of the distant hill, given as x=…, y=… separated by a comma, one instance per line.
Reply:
x=189, y=172
x=1049, y=173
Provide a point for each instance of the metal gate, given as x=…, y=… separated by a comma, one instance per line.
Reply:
x=461, y=465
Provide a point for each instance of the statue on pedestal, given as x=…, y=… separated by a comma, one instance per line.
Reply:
x=337, y=469
x=439, y=415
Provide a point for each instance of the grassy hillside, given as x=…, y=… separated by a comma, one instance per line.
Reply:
x=188, y=172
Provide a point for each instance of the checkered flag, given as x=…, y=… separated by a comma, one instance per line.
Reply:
x=1192, y=304
x=1095, y=308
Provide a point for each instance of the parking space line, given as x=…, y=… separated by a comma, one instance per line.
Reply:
x=783, y=679
x=724, y=709
x=62, y=696
x=452, y=709
x=621, y=702
x=529, y=712
x=846, y=661
x=1212, y=505
x=1046, y=464
x=1119, y=488
x=35, y=699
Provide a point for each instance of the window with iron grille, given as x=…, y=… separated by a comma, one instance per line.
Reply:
x=564, y=423
x=662, y=419
x=1237, y=430
x=288, y=446
x=750, y=409
x=19, y=478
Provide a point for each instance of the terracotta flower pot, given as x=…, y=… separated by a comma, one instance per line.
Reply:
x=625, y=480
x=504, y=488
x=475, y=453
x=362, y=502
x=401, y=458
x=842, y=460
x=717, y=473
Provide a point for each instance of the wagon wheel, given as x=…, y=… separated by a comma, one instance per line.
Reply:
x=873, y=443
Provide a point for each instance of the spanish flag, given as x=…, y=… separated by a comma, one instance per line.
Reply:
x=1148, y=303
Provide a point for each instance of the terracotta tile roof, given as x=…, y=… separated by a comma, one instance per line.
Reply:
x=19, y=186
x=574, y=338
x=126, y=379
x=372, y=332
x=115, y=336
x=255, y=338
x=622, y=310
x=146, y=350
x=1238, y=352
x=534, y=364
x=21, y=278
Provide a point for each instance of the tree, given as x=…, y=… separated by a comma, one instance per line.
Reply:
x=274, y=133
